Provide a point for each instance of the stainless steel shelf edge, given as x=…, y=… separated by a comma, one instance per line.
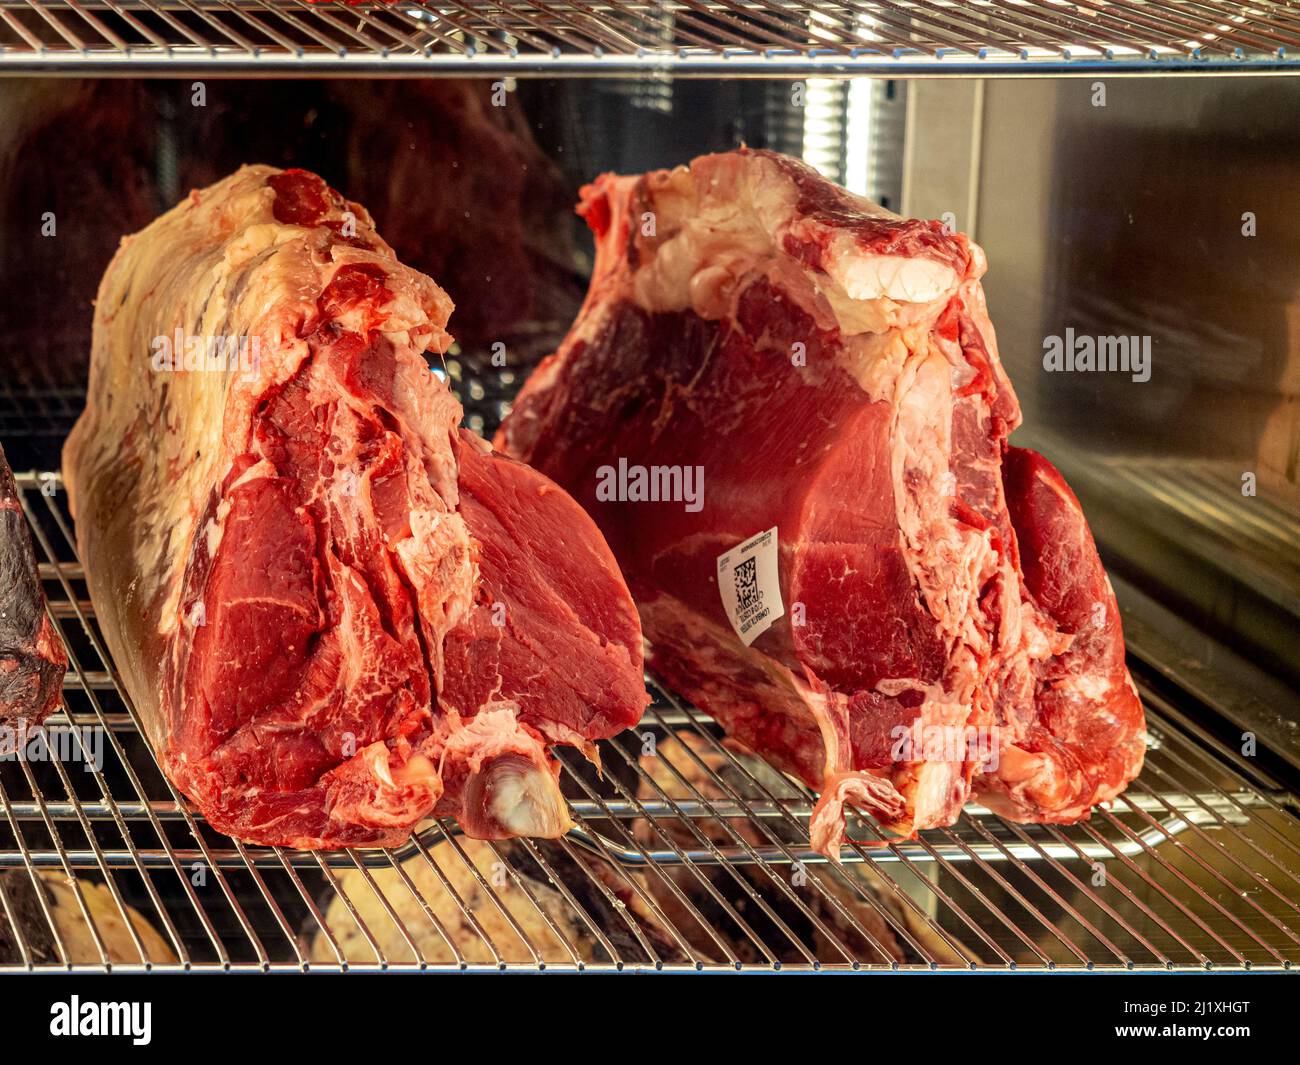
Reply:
x=401, y=66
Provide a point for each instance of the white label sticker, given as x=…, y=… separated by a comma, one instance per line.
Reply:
x=750, y=586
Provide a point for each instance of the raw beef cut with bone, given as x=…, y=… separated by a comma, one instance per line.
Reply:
x=940, y=625
x=336, y=612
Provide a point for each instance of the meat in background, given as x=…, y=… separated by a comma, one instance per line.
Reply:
x=78, y=158
x=469, y=197
x=461, y=185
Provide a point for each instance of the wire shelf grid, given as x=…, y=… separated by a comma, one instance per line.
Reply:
x=618, y=37
x=686, y=854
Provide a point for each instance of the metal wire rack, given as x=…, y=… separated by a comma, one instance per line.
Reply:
x=687, y=854
x=617, y=37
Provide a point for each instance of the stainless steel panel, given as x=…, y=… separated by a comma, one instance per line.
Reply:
x=1167, y=213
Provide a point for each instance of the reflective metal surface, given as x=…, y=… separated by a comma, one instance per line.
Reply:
x=1166, y=214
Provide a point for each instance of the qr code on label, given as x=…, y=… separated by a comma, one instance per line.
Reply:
x=747, y=593
x=749, y=584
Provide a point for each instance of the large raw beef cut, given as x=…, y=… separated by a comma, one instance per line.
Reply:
x=336, y=612
x=936, y=621
x=32, y=659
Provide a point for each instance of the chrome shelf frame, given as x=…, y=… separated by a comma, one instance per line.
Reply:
x=700, y=38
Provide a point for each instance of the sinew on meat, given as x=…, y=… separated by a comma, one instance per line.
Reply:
x=336, y=612
x=831, y=371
